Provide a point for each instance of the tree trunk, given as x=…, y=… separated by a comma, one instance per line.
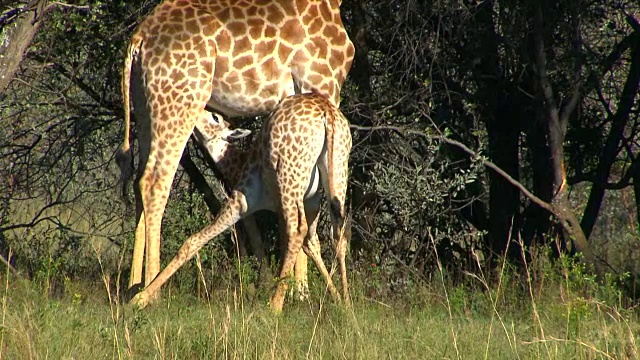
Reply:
x=616, y=133
x=200, y=182
x=537, y=222
x=503, y=128
x=20, y=28
x=557, y=126
x=503, y=131
x=636, y=189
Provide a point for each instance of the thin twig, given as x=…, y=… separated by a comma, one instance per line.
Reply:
x=6, y=263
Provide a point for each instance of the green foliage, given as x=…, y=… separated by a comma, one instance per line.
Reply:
x=416, y=187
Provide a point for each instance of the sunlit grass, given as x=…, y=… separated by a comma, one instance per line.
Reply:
x=486, y=322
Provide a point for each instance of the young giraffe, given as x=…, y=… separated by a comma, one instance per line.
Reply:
x=239, y=57
x=304, y=143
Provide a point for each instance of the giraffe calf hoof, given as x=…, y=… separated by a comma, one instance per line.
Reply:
x=303, y=292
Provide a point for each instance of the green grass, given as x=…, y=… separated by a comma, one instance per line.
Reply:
x=553, y=321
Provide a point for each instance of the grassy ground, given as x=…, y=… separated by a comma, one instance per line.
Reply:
x=568, y=316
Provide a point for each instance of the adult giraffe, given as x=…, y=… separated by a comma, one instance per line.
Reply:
x=240, y=57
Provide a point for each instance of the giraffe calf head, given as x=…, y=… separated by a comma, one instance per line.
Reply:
x=231, y=135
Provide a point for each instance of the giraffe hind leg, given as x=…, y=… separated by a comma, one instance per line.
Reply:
x=312, y=243
x=143, y=127
x=312, y=249
x=294, y=229
x=336, y=198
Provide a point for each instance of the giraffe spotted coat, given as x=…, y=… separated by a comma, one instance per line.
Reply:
x=304, y=145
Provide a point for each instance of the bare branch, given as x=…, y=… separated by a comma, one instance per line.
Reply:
x=10, y=15
x=6, y=263
x=65, y=5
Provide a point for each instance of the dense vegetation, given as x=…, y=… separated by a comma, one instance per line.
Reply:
x=485, y=133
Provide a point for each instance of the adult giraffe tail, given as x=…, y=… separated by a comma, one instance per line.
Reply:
x=124, y=156
x=335, y=204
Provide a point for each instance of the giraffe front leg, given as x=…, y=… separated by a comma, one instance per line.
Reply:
x=187, y=251
x=232, y=211
x=141, y=300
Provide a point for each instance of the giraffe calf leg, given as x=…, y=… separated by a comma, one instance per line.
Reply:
x=277, y=300
x=300, y=273
x=312, y=249
x=341, y=252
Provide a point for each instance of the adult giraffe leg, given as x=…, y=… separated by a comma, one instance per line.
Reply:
x=137, y=262
x=143, y=126
x=155, y=186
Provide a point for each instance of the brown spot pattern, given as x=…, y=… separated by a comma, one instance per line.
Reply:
x=251, y=44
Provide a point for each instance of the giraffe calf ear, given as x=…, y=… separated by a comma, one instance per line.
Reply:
x=237, y=134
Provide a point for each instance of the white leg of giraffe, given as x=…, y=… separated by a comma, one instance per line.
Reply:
x=312, y=244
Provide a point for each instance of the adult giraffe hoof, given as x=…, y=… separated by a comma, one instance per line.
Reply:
x=140, y=301
x=275, y=309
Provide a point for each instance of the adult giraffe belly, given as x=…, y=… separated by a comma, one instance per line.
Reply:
x=243, y=95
